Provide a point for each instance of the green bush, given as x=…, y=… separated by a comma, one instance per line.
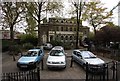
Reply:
x=6, y=45
x=67, y=46
x=27, y=46
x=56, y=43
x=27, y=38
x=15, y=49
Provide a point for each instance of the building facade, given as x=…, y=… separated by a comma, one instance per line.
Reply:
x=6, y=34
x=62, y=29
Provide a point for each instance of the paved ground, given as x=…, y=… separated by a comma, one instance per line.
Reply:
x=75, y=72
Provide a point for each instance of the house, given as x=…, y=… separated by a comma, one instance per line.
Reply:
x=62, y=29
x=6, y=34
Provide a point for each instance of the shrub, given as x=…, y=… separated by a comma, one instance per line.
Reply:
x=27, y=38
x=67, y=46
x=56, y=43
x=6, y=45
x=15, y=49
x=27, y=46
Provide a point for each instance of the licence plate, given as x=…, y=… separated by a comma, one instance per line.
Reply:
x=24, y=66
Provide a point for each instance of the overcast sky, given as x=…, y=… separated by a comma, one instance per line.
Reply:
x=110, y=4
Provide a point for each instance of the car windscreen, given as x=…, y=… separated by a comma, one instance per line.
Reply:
x=56, y=53
x=88, y=55
x=32, y=53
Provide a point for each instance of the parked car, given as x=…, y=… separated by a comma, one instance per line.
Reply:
x=83, y=57
x=31, y=59
x=47, y=46
x=56, y=58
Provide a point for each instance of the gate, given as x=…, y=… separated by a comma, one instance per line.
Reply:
x=32, y=75
x=110, y=72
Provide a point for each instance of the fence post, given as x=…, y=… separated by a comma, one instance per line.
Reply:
x=116, y=71
x=38, y=73
x=113, y=70
x=71, y=64
x=87, y=71
x=42, y=64
x=107, y=72
x=104, y=72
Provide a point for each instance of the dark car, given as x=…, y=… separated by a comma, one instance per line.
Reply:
x=31, y=59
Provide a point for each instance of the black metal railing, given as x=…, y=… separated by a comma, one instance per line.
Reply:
x=109, y=72
x=31, y=75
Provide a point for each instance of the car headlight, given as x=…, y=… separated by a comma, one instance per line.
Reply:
x=49, y=62
x=62, y=62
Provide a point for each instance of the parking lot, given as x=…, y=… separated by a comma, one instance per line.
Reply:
x=74, y=72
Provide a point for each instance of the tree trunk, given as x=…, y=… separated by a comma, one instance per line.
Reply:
x=11, y=33
x=39, y=25
x=78, y=23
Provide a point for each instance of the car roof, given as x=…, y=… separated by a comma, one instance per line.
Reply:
x=34, y=50
x=57, y=48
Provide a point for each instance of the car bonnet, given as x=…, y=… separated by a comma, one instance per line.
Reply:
x=94, y=61
x=56, y=58
x=26, y=59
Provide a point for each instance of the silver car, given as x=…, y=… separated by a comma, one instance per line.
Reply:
x=83, y=57
x=56, y=58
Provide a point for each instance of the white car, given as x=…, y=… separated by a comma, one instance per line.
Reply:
x=56, y=58
x=83, y=57
x=47, y=46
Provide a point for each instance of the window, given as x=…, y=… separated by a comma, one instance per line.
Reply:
x=62, y=29
x=61, y=21
x=74, y=29
x=70, y=28
x=66, y=37
x=66, y=29
x=70, y=37
x=57, y=28
x=62, y=37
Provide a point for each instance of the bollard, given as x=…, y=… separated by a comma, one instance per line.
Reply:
x=71, y=64
x=38, y=73
x=42, y=64
x=113, y=70
x=104, y=72
x=116, y=72
x=86, y=71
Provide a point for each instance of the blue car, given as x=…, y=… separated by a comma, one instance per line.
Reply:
x=31, y=59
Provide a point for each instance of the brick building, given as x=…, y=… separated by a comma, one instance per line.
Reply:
x=62, y=29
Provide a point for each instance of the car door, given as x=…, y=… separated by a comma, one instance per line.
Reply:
x=75, y=55
x=40, y=55
x=79, y=58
